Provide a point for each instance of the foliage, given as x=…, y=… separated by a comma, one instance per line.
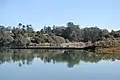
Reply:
x=23, y=35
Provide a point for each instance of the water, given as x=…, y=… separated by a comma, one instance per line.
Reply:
x=58, y=65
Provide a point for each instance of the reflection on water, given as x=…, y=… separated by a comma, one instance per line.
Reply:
x=71, y=57
x=58, y=65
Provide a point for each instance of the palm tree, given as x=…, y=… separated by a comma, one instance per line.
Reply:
x=19, y=25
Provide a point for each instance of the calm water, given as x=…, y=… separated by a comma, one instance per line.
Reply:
x=58, y=65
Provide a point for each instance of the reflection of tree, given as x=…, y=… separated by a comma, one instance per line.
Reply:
x=71, y=57
x=22, y=58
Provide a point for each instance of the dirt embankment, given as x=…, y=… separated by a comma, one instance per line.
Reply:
x=108, y=50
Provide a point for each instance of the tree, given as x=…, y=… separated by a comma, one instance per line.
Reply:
x=19, y=25
x=30, y=31
x=72, y=32
x=5, y=39
x=20, y=41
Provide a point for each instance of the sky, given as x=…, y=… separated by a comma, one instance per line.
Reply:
x=40, y=13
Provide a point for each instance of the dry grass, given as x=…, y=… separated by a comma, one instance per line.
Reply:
x=108, y=50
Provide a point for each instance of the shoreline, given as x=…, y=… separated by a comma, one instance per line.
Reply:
x=88, y=47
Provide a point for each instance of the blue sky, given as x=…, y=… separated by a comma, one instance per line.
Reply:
x=101, y=13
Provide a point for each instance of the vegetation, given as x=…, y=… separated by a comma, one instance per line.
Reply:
x=24, y=35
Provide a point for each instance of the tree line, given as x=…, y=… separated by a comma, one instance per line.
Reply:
x=23, y=35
